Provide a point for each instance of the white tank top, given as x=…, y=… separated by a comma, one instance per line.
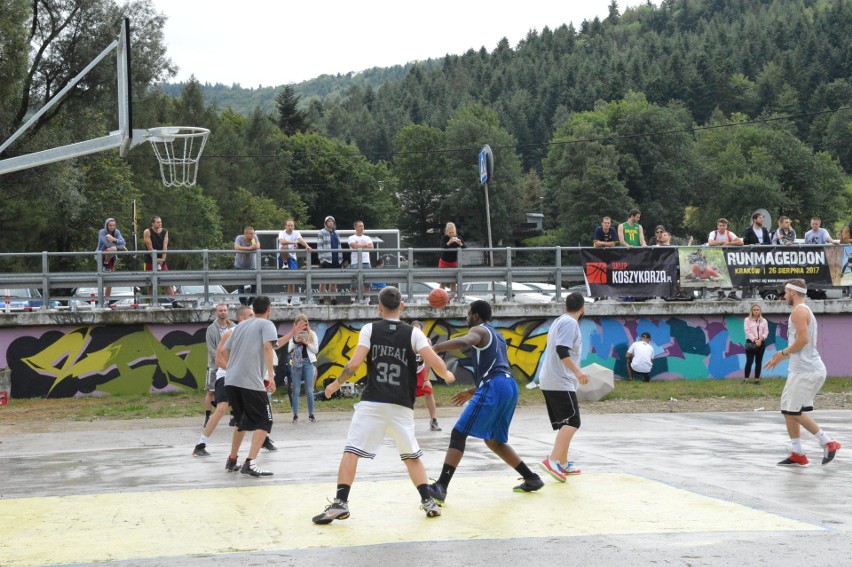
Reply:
x=806, y=360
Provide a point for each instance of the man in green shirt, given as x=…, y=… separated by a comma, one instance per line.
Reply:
x=630, y=233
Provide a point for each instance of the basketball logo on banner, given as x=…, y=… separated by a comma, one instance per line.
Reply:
x=596, y=272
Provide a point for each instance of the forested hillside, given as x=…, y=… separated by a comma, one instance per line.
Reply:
x=689, y=110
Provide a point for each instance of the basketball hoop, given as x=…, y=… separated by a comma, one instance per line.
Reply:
x=178, y=149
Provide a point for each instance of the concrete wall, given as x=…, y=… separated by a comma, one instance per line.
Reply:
x=62, y=354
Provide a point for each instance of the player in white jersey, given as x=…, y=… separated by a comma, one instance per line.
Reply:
x=805, y=377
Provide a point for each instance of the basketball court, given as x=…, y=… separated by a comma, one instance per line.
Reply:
x=670, y=488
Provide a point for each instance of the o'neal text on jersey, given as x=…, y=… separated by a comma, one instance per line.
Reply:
x=380, y=351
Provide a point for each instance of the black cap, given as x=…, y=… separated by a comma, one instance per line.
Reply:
x=646, y=335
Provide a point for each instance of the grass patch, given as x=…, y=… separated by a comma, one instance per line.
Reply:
x=189, y=404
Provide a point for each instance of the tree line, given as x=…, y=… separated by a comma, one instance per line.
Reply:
x=689, y=111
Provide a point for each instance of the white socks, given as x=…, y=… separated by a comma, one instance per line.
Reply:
x=823, y=438
x=797, y=446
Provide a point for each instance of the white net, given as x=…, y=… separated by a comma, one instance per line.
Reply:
x=178, y=149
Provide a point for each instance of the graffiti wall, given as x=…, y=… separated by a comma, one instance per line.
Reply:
x=101, y=360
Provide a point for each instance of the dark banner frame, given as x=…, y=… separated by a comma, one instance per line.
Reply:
x=631, y=272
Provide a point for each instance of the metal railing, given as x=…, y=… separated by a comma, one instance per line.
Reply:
x=404, y=267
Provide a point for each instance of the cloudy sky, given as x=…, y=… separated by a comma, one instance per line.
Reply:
x=275, y=42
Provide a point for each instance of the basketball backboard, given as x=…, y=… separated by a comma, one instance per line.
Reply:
x=179, y=163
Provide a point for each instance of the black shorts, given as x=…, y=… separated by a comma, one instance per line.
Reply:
x=330, y=265
x=562, y=408
x=220, y=394
x=250, y=408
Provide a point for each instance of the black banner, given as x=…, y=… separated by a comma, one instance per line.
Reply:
x=777, y=264
x=633, y=272
x=731, y=266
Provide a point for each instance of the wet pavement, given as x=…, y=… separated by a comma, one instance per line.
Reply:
x=663, y=489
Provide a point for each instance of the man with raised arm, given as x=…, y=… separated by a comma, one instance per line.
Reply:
x=491, y=405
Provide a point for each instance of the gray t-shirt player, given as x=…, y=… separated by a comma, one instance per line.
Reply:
x=246, y=364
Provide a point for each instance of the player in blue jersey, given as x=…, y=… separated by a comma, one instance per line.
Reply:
x=492, y=402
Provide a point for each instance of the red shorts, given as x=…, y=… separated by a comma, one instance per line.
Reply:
x=423, y=385
x=443, y=264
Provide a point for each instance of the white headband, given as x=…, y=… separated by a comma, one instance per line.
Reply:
x=796, y=288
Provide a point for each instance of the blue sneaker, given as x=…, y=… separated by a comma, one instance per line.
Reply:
x=569, y=468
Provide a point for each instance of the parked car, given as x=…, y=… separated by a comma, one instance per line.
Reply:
x=26, y=299
x=420, y=292
x=521, y=293
x=193, y=295
x=550, y=289
x=85, y=297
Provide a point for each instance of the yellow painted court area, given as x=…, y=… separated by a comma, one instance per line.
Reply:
x=259, y=517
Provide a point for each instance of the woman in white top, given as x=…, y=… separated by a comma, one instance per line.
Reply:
x=303, y=350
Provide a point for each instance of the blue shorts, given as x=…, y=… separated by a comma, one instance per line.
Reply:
x=489, y=413
x=292, y=263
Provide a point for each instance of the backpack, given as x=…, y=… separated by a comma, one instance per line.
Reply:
x=727, y=234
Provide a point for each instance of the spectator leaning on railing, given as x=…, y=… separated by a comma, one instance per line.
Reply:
x=605, y=234
x=818, y=235
x=245, y=244
x=756, y=234
x=785, y=235
x=630, y=232
x=722, y=236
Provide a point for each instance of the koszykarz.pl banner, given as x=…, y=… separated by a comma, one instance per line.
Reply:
x=631, y=272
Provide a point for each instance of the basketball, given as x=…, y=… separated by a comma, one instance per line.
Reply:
x=438, y=298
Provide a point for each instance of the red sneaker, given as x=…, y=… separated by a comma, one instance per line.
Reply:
x=795, y=459
x=829, y=451
x=555, y=472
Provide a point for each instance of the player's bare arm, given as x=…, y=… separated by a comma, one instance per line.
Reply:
x=475, y=337
x=800, y=322
x=348, y=370
x=268, y=348
x=436, y=363
x=223, y=354
x=570, y=365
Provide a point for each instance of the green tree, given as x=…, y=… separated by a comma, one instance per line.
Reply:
x=291, y=118
x=333, y=178
x=420, y=167
x=467, y=132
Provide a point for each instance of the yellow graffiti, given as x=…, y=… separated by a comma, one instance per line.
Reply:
x=133, y=357
x=524, y=340
x=339, y=345
x=524, y=348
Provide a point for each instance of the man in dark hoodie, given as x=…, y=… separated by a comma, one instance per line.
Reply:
x=109, y=240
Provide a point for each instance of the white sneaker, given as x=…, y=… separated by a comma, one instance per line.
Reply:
x=532, y=385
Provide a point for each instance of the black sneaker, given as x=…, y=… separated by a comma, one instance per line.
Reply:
x=530, y=484
x=200, y=450
x=295, y=419
x=433, y=425
x=431, y=508
x=253, y=469
x=267, y=444
x=337, y=510
x=231, y=465
x=438, y=492
x=311, y=418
